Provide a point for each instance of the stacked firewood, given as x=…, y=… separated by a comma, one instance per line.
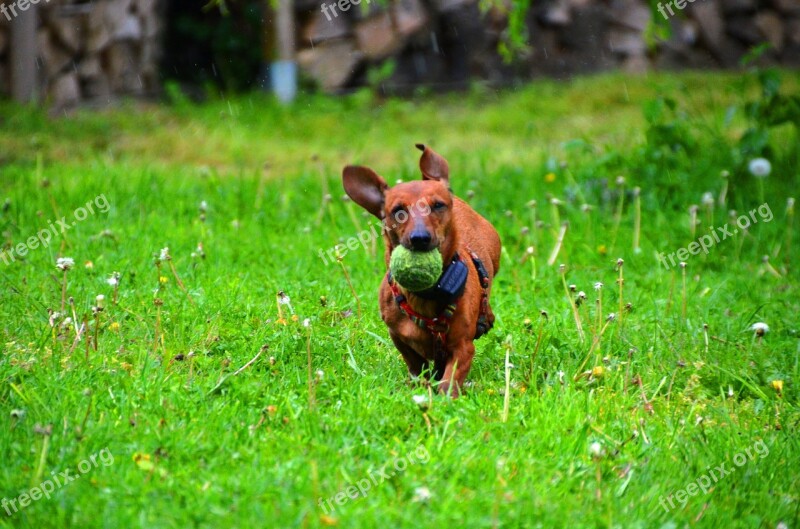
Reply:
x=92, y=51
x=338, y=38
x=101, y=49
x=433, y=41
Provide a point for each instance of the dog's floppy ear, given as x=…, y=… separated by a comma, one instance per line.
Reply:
x=433, y=166
x=365, y=187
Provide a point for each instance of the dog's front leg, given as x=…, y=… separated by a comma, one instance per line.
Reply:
x=457, y=368
x=416, y=364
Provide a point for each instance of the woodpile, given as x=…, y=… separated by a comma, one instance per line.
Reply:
x=98, y=50
x=93, y=51
x=339, y=40
x=449, y=41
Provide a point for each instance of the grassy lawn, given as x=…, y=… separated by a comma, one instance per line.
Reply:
x=190, y=399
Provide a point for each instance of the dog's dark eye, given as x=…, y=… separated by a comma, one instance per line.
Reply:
x=439, y=206
x=399, y=214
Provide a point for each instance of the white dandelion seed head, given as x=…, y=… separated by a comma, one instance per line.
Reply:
x=283, y=299
x=203, y=206
x=65, y=263
x=164, y=254
x=307, y=322
x=598, y=285
x=422, y=494
x=760, y=167
x=760, y=328
x=596, y=449
x=707, y=199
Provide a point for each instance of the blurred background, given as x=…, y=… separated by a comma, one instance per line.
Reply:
x=66, y=53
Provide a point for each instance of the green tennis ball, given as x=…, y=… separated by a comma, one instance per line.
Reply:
x=415, y=270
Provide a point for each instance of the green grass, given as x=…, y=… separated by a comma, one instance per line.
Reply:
x=257, y=452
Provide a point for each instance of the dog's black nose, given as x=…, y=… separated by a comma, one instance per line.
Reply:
x=420, y=240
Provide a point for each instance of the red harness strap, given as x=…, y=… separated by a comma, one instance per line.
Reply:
x=438, y=326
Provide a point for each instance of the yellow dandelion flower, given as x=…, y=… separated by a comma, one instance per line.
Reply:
x=550, y=178
x=602, y=250
x=163, y=280
x=598, y=371
x=777, y=385
x=114, y=327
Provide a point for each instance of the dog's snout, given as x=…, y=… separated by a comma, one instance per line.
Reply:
x=420, y=240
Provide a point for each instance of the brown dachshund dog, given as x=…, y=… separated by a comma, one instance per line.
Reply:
x=437, y=325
